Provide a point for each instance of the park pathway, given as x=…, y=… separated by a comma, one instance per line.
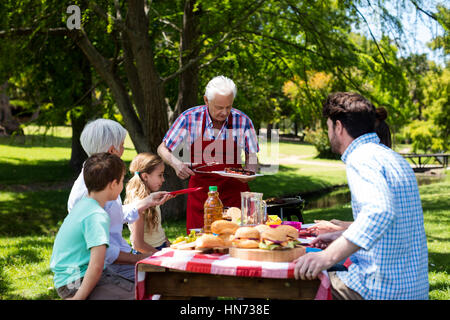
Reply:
x=294, y=159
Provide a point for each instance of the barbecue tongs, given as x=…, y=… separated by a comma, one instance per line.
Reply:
x=192, y=165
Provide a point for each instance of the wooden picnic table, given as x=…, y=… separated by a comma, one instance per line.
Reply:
x=174, y=274
x=442, y=158
x=174, y=284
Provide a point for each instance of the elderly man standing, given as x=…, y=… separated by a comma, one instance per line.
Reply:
x=386, y=241
x=212, y=134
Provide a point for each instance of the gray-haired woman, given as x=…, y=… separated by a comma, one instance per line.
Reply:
x=104, y=135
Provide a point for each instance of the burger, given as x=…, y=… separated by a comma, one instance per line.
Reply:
x=246, y=237
x=262, y=227
x=273, y=239
x=279, y=238
x=291, y=232
x=225, y=230
x=209, y=241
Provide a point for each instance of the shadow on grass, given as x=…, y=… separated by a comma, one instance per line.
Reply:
x=32, y=213
x=37, y=140
x=438, y=263
x=27, y=172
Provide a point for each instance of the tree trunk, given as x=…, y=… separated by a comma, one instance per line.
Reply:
x=154, y=117
x=78, y=155
x=79, y=119
x=8, y=124
x=147, y=127
x=187, y=98
x=189, y=49
x=175, y=208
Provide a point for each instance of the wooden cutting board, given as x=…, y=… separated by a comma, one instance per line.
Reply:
x=223, y=250
x=286, y=255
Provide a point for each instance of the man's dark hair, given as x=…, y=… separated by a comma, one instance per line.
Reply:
x=382, y=128
x=101, y=169
x=356, y=113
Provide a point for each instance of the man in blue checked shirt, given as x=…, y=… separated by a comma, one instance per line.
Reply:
x=386, y=242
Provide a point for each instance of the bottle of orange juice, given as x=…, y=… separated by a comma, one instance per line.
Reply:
x=213, y=209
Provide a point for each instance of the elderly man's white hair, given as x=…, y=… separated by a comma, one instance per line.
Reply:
x=221, y=85
x=99, y=135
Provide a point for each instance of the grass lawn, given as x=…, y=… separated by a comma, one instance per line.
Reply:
x=30, y=219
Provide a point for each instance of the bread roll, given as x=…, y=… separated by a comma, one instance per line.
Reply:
x=235, y=214
x=224, y=227
x=209, y=241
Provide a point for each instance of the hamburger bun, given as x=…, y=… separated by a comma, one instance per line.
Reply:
x=234, y=213
x=246, y=237
x=227, y=239
x=274, y=235
x=262, y=227
x=224, y=227
x=246, y=244
x=291, y=232
x=209, y=241
x=247, y=233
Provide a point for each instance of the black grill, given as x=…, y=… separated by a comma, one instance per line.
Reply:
x=285, y=208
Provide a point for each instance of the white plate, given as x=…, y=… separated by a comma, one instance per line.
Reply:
x=236, y=175
x=307, y=225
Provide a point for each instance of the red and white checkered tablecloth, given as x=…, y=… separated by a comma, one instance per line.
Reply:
x=221, y=264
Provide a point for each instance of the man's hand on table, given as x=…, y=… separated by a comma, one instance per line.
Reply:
x=308, y=266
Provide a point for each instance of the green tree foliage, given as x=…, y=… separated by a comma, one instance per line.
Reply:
x=442, y=42
x=150, y=60
x=431, y=132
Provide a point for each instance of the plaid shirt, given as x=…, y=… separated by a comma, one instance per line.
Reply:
x=388, y=224
x=188, y=126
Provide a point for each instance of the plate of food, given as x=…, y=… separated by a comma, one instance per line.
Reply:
x=239, y=173
x=217, y=242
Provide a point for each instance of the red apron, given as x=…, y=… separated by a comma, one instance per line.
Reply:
x=229, y=188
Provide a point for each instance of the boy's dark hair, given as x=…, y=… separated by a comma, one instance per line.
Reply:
x=356, y=113
x=101, y=169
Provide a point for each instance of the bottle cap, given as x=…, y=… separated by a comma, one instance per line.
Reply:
x=212, y=188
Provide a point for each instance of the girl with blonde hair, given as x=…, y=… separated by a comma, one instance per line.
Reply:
x=147, y=234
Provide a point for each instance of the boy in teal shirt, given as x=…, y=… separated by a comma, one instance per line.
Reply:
x=79, y=249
